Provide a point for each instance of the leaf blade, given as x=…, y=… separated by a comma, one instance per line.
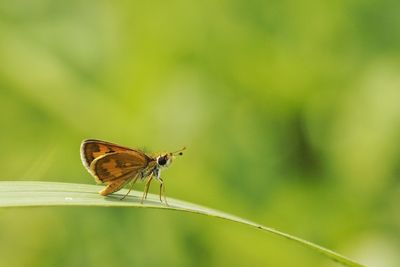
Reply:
x=32, y=194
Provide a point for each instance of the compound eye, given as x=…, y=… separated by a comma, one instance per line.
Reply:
x=162, y=160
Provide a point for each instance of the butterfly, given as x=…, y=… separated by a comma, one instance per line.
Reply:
x=116, y=166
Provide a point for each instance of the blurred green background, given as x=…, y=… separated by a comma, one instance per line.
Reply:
x=290, y=111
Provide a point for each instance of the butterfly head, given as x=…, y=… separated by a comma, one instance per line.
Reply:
x=164, y=160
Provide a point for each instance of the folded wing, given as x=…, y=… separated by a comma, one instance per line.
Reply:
x=118, y=166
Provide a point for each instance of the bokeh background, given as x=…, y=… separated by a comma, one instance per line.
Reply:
x=290, y=111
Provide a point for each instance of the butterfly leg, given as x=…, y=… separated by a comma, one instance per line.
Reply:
x=161, y=187
x=146, y=187
x=162, y=191
x=132, y=183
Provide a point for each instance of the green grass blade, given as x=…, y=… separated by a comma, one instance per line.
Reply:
x=28, y=194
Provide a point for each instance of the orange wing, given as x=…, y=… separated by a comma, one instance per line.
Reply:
x=92, y=149
x=118, y=166
x=113, y=164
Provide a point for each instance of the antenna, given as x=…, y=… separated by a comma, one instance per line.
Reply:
x=179, y=152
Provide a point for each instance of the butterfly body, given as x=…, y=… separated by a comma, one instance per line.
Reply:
x=115, y=165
